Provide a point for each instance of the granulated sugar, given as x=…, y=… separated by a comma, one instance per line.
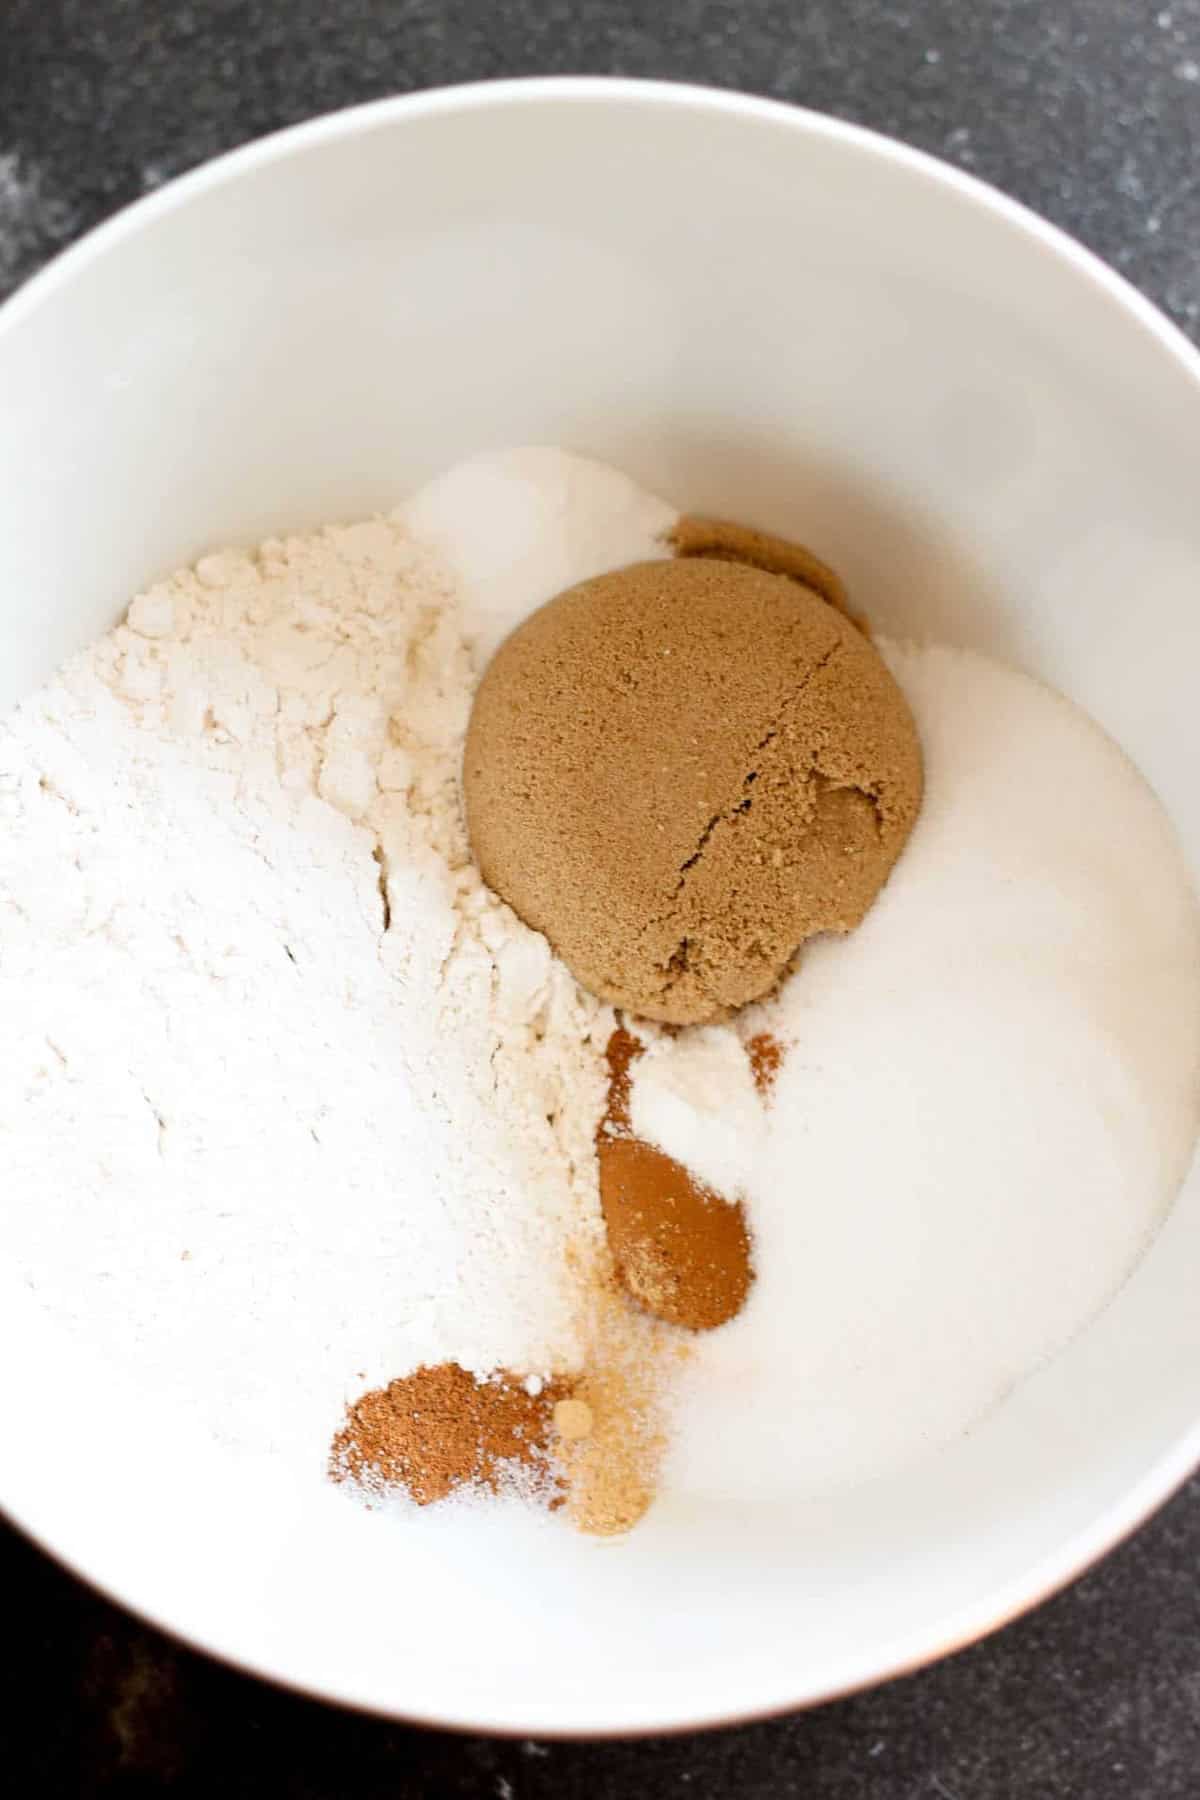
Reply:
x=516, y=527
x=988, y=1098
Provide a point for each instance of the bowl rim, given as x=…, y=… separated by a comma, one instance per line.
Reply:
x=1168, y=1474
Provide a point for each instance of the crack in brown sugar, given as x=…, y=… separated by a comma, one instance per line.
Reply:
x=742, y=805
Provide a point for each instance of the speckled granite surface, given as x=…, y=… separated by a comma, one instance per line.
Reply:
x=1090, y=111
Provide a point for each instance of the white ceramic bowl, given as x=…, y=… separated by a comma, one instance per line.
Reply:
x=755, y=311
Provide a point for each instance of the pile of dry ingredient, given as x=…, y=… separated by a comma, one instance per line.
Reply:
x=306, y=1126
x=681, y=772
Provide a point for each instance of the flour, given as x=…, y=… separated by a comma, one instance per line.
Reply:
x=988, y=1100
x=290, y=1103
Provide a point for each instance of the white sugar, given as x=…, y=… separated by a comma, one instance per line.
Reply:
x=516, y=527
x=989, y=1098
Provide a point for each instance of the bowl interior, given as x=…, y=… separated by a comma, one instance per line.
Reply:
x=757, y=313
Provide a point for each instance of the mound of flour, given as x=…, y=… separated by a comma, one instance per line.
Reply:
x=290, y=1103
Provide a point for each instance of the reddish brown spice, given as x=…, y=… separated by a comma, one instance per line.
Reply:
x=680, y=1250
x=440, y=1429
x=766, y=1060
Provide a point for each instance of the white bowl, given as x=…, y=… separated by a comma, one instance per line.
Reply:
x=757, y=312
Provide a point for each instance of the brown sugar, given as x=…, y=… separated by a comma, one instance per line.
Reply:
x=679, y=1249
x=441, y=1429
x=723, y=541
x=681, y=771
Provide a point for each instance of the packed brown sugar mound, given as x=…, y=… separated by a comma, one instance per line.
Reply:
x=680, y=771
x=725, y=541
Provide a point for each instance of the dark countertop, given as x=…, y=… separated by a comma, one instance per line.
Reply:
x=1089, y=110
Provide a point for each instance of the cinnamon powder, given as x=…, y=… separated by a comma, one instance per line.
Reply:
x=766, y=1060
x=621, y=1052
x=681, y=1250
x=440, y=1429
